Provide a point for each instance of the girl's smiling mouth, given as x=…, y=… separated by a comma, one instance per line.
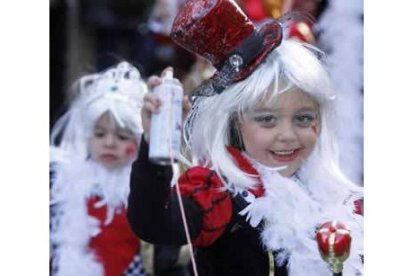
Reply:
x=285, y=155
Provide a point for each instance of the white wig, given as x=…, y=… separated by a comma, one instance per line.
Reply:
x=292, y=65
x=118, y=91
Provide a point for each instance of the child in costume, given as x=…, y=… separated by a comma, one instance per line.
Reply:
x=261, y=133
x=99, y=139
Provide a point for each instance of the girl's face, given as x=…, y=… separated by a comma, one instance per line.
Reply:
x=282, y=134
x=110, y=145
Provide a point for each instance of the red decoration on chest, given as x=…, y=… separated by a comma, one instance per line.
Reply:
x=205, y=188
x=116, y=244
x=245, y=166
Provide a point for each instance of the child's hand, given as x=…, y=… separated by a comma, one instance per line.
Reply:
x=152, y=103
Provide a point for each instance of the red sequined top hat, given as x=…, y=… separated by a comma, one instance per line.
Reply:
x=219, y=31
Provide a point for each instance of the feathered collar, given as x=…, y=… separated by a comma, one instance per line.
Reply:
x=74, y=182
x=292, y=212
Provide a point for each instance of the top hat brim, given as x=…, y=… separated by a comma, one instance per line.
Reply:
x=272, y=35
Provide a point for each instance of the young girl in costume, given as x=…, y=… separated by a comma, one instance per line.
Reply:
x=99, y=139
x=261, y=133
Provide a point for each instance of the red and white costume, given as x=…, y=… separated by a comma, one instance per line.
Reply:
x=90, y=234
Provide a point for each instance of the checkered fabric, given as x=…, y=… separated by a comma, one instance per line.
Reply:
x=135, y=268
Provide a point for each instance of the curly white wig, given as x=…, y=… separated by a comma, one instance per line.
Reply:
x=292, y=65
x=118, y=91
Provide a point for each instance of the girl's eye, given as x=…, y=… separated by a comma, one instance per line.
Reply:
x=304, y=120
x=99, y=134
x=267, y=120
x=123, y=137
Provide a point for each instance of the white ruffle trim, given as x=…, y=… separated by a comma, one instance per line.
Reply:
x=291, y=217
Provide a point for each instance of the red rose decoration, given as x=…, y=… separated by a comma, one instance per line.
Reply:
x=334, y=242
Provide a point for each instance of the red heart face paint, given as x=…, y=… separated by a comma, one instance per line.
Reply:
x=314, y=127
x=131, y=149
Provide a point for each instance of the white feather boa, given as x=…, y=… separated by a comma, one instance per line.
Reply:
x=74, y=182
x=291, y=217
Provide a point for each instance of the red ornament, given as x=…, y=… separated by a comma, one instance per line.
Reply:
x=301, y=31
x=254, y=9
x=334, y=242
x=219, y=31
x=359, y=207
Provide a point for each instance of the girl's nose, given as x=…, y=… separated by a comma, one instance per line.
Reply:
x=286, y=132
x=109, y=140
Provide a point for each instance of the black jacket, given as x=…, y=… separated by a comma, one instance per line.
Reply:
x=154, y=215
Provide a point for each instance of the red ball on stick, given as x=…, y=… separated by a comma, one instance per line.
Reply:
x=334, y=243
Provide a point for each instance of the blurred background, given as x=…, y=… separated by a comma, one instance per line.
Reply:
x=90, y=35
